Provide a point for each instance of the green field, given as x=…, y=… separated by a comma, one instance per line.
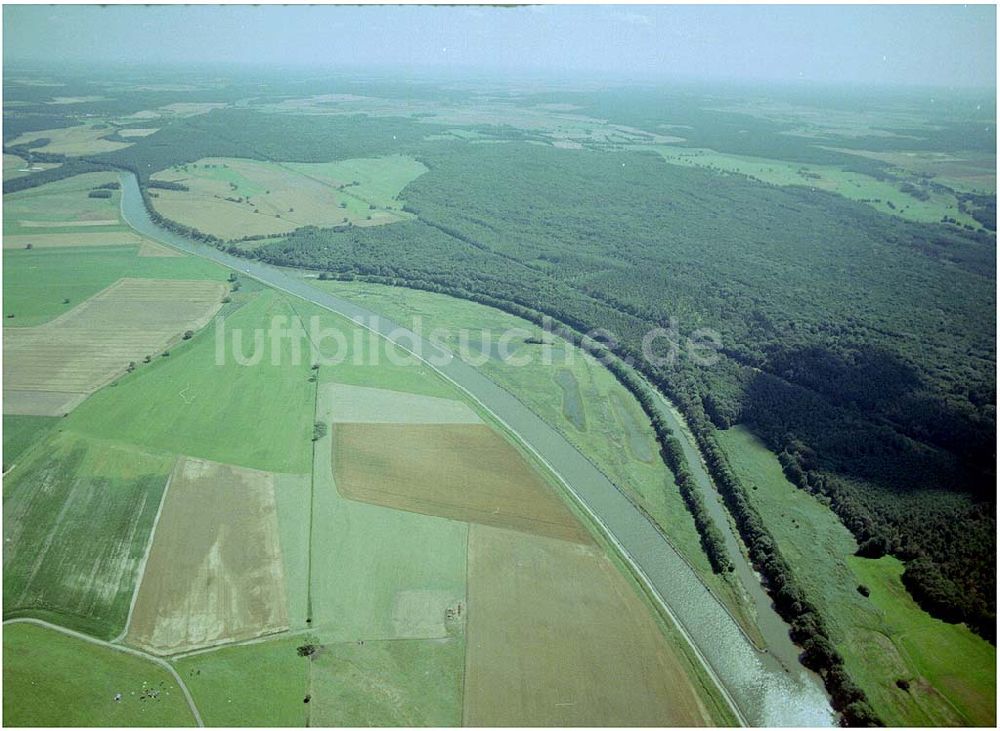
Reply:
x=236, y=197
x=394, y=571
x=37, y=281
x=617, y=436
x=259, y=684
x=954, y=661
x=77, y=517
x=20, y=433
x=51, y=679
x=852, y=185
x=883, y=638
x=396, y=683
x=379, y=179
x=257, y=416
x=291, y=497
x=64, y=201
x=13, y=165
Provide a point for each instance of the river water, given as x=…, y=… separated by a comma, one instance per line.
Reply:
x=763, y=687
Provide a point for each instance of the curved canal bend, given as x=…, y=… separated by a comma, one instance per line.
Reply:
x=764, y=690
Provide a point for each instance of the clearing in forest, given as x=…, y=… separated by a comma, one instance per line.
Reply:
x=86, y=139
x=63, y=206
x=232, y=198
x=80, y=351
x=215, y=571
x=15, y=166
x=884, y=636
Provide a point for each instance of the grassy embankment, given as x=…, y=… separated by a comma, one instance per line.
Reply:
x=575, y=394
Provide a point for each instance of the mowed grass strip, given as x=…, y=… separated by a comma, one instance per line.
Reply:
x=214, y=572
x=363, y=405
x=85, y=239
x=77, y=517
x=258, y=416
x=257, y=684
x=557, y=637
x=52, y=679
x=388, y=683
x=464, y=472
x=81, y=350
x=292, y=497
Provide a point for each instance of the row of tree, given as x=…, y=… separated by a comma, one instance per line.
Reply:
x=807, y=627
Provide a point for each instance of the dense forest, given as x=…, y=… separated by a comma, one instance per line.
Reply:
x=870, y=368
x=859, y=346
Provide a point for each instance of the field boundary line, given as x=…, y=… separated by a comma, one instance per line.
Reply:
x=626, y=556
x=312, y=471
x=57, y=320
x=141, y=573
x=119, y=648
x=639, y=573
x=468, y=605
x=269, y=637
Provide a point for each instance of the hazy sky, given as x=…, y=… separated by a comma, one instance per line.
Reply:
x=935, y=45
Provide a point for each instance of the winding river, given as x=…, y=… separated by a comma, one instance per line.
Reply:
x=764, y=688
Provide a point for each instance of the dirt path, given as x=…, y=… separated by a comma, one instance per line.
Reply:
x=120, y=648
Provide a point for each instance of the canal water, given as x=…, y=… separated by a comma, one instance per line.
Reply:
x=762, y=685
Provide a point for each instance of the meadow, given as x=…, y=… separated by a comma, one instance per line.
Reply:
x=398, y=572
x=884, y=637
x=192, y=406
x=51, y=679
x=16, y=167
x=388, y=683
x=232, y=198
x=39, y=281
x=84, y=139
x=66, y=213
x=227, y=683
x=884, y=195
